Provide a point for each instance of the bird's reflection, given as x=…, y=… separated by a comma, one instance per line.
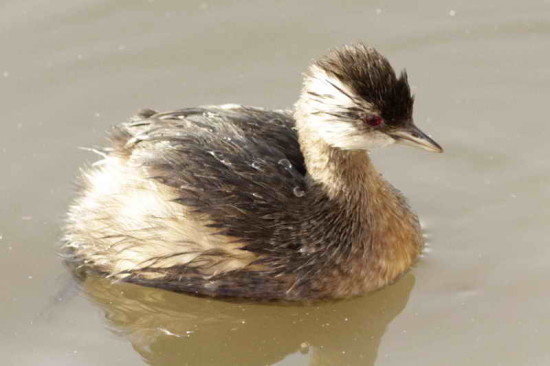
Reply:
x=175, y=329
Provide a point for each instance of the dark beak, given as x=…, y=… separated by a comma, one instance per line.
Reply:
x=411, y=135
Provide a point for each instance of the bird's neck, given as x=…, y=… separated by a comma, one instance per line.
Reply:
x=341, y=174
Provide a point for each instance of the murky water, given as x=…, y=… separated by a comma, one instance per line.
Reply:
x=481, y=73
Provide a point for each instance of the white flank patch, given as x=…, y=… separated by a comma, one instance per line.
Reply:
x=126, y=222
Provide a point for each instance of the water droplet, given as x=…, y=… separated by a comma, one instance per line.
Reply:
x=298, y=192
x=304, y=348
x=257, y=195
x=452, y=13
x=256, y=165
x=306, y=250
x=219, y=156
x=378, y=11
x=5, y=74
x=285, y=163
x=290, y=169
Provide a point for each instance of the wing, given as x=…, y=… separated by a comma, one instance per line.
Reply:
x=240, y=166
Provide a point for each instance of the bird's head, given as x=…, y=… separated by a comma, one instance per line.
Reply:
x=353, y=100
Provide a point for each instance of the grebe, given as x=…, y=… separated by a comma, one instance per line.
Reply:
x=236, y=201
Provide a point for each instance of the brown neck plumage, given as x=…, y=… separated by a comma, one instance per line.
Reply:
x=344, y=174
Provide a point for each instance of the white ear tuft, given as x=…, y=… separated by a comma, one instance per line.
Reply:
x=324, y=102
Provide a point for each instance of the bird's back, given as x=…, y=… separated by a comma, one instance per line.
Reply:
x=192, y=194
x=242, y=156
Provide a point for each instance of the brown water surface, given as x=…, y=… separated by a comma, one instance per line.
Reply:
x=481, y=75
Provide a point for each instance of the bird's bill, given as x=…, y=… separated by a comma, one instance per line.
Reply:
x=413, y=136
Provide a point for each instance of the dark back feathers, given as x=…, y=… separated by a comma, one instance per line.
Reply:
x=241, y=167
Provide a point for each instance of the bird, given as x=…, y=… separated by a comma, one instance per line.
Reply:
x=240, y=202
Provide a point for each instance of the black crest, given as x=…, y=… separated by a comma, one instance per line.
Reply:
x=370, y=76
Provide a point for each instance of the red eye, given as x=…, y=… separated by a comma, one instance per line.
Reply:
x=374, y=121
